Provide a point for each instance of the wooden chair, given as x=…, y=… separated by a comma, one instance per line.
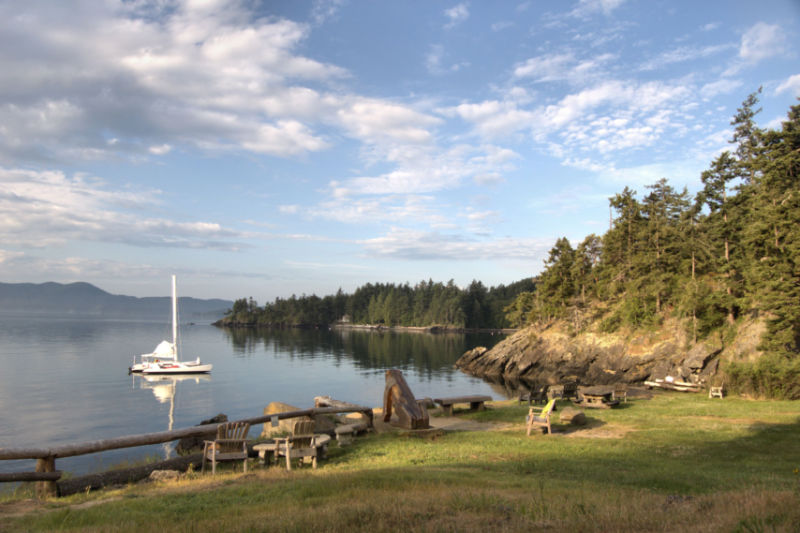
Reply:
x=621, y=392
x=536, y=395
x=570, y=390
x=540, y=416
x=717, y=391
x=230, y=445
x=302, y=444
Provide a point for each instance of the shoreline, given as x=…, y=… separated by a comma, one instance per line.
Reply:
x=374, y=327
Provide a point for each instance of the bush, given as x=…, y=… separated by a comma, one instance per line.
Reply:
x=772, y=376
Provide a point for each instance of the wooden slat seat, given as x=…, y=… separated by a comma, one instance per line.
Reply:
x=230, y=445
x=300, y=445
x=540, y=416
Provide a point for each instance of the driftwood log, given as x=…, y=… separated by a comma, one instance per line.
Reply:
x=125, y=475
x=327, y=401
x=398, y=396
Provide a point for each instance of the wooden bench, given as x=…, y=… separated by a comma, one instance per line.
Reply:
x=345, y=432
x=476, y=403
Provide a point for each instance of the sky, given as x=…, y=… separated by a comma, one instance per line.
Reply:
x=269, y=148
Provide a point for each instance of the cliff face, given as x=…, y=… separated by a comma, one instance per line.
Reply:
x=549, y=355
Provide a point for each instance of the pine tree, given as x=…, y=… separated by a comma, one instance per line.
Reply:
x=716, y=182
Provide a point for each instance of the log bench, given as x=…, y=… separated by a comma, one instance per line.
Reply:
x=346, y=432
x=476, y=403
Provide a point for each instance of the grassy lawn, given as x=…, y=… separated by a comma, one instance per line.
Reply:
x=676, y=462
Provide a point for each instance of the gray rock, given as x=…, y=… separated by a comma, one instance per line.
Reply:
x=189, y=445
x=164, y=475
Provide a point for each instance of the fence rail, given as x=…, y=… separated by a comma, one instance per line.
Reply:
x=47, y=475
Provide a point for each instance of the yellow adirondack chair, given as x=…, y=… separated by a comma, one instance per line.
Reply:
x=540, y=416
x=230, y=445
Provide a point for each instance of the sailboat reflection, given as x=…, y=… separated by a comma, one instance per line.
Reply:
x=164, y=388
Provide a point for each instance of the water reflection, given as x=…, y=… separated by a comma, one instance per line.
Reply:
x=165, y=388
x=428, y=354
x=512, y=387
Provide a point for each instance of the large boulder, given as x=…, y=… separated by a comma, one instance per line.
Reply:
x=284, y=426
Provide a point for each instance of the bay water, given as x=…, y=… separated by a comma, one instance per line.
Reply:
x=65, y=380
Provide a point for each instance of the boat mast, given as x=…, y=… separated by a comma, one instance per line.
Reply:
x=174, y=319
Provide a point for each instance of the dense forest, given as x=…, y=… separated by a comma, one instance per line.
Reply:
x=425, y=304
x=732, y=250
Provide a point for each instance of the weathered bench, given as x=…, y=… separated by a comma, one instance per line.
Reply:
x=476, y=403
x=345, y=432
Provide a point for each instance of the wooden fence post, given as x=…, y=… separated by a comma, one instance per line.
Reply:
x=45, y=489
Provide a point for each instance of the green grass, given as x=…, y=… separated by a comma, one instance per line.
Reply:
x=676, y=462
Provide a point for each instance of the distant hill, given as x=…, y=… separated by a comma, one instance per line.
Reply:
x=84, y=299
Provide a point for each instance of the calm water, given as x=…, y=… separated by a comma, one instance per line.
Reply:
x=65, y=380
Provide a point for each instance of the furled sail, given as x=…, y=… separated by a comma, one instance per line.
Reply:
x=164, y=349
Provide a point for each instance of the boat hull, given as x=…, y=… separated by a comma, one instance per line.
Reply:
x=177, y=368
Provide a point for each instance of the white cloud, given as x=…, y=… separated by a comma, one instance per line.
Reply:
x=387, y=208
x=456, y=15
x=791, y=85
x=684, y=54
x=723, y=86
x=586, y=8
x=679, y=173
x=160, y=150
x=434, y=61
x=562, y=66
x=204, y=74
x=323, y=10
x=46, y=208
x=761, y=41
x=424, y=172
x=7, y=256
x=403, y=243
x=378, y=121
x=493, y=118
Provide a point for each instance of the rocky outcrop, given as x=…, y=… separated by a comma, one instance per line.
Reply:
x=189, y=445
x=548, y=355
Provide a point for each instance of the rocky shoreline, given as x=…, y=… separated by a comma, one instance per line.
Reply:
x=549, y=355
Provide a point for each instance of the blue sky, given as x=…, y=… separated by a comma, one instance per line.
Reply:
x=285, y=147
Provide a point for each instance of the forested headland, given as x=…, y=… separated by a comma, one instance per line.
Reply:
x=730, y=251
x=426, y=304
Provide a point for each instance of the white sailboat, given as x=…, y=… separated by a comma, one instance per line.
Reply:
x=164, y=359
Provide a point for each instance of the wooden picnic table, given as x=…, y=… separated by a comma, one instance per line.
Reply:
x=598, y=400
x=476, y=402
